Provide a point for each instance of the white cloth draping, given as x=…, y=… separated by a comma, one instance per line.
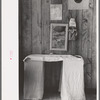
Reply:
x=72, y=78
x=33, y=80
x=41, y=57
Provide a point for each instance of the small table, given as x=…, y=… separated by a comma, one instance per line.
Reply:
x=72, y=80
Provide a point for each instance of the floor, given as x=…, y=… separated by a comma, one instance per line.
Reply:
x=56, y=96
x=52, y=96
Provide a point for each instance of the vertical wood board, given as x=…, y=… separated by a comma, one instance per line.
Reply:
x=26, y=28
x=46, y=26
x=36, y=26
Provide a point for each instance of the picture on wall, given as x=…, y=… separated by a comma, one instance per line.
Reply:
x=56, y=12
x=58, y=36
x=78, y=4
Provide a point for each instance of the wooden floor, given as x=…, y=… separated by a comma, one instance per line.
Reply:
x=52, y=96
x=90, y=95
x=56, y=96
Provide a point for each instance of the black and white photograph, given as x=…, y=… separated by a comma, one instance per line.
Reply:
x=57, y=50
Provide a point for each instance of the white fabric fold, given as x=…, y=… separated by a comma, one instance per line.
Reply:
x=72, y=83
x=33, y=80
x=48, y=58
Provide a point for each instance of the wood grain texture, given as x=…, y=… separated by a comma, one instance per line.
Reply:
x=45, y=26
x=56, y=1
x=94, y=65
x=36, y=26
x=20, y=51
x=89, y=52
x=24, y=37
x=90, y=18
x=26, y=28
x=79, y=31
x=85, y=46
x=85, y=34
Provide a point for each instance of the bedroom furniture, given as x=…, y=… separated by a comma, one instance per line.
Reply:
x=72, y=78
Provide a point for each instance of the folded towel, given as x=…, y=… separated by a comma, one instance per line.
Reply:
x=72, y=83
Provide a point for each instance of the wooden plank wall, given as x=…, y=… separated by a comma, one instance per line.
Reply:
x=36, y=26
x=25, y=33
x=35, y=33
